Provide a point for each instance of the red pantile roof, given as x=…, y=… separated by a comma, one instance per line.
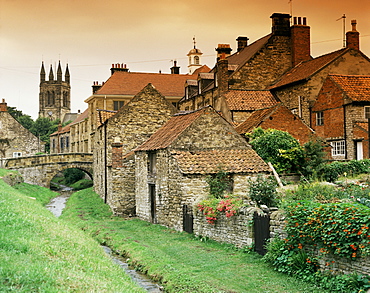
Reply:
x=306, y=69
x=130, y=83
x=356, y=87
x=81, y=117
x=103, y=115
x=171, y=130
x=210, y=161
x=249, y=100
x=254, y=120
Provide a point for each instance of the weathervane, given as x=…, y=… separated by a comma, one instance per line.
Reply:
x=194, y=41
x=344, y=28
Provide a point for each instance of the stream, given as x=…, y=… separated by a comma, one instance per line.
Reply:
x=56, y=206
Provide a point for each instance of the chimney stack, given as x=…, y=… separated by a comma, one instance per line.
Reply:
x=300, y=37
x=222, y=75
x=118, y=67
x=353, y=37
x=242, y=42
x=175, y=69
x=3, y=106
x=96, y=86
x=280, y=24
x=223, y=51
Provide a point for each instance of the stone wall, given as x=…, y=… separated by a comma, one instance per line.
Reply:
x=237, y=230
x=340, y=264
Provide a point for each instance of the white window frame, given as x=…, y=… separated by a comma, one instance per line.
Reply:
x=319, y=118
x=338, y=148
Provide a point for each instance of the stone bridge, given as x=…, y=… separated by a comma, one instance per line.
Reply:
x=39, y=170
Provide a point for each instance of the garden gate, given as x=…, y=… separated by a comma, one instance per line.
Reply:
x=261, y=232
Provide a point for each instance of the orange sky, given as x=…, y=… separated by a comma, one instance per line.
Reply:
x=145, y=34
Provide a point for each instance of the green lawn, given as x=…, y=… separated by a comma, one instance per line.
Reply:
x=179, y=261
x=40, y=253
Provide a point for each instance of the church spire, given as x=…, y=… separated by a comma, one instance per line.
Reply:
x=59, y=72
x=67, y=76
x=51, y=74
x=42, y=72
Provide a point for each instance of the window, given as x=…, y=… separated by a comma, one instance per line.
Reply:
x=338, y=148
x=320, y=118
x=151, y=162
x=117, y=105
x=17, y=154
x=62, y=143
x=67, y=142
x=196, y=60
x=367, y=112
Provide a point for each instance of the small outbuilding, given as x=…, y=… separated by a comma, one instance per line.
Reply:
x=173, y=164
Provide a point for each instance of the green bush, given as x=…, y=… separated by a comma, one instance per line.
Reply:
x=218, y=184
x=331, y=172
x=73, y=175
x=263, y=190
x=278, y=147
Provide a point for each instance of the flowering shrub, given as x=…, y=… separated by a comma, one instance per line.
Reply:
x=340, y=229
x=212, y=207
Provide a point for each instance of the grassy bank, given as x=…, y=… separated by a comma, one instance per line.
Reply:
x=178, y=260
x=40, y=253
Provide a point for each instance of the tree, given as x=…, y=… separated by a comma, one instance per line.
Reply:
x=42, y=128
x=279, y=148
x=23, y=119
x=314, y=156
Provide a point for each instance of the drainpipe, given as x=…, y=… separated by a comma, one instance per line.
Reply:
x=345, y=132
x=105, y=164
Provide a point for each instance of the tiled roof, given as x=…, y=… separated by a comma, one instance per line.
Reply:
x=249, y=100
x=239, y=58
x=356, y=87
x=171, y=130
x=103, y=115
x=254, y=120
x=210, y=161
x=130, y=83
x=306, y=69
x=65, y=129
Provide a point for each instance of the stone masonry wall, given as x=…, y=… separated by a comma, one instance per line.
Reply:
x=340, y=265
x=237, y=230
x=266, y=67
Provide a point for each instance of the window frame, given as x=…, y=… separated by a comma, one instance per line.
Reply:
x=319, y=118
x=338, y=148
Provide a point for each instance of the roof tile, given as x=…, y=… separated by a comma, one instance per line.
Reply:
x=356, y=87
x=210, y=161
x=244, y=100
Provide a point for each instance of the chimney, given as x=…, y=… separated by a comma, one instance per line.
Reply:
x=353, y=37
x=222, y=76
x=3, y=106
x=175, y=69
x=60, y=127
x=300, y=36
x=280, y=24
x=118, y=67
x=223, y=51
x=242, y=42
x=95, y=87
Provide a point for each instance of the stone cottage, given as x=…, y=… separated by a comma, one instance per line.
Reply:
x=172, y=166
x=341, y=114
x=15, y=140
x=116, y=137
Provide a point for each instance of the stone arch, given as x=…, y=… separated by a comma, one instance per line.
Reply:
x=61, y=167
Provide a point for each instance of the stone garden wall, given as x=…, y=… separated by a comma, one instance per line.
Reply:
x=237, y=230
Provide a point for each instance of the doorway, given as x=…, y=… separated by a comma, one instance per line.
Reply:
x=153, y=205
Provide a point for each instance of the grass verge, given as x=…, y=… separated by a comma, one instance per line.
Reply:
x=40, y=253
x=179, y=261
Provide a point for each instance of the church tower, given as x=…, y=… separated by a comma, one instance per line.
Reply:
x=194, y=59
x=55, y=94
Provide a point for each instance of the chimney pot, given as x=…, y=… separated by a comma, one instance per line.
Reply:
x=304, y=21
x=299, y=21
x=354, y=23
x=295, y=20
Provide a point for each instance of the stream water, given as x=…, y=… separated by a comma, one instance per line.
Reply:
x=56, y=206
